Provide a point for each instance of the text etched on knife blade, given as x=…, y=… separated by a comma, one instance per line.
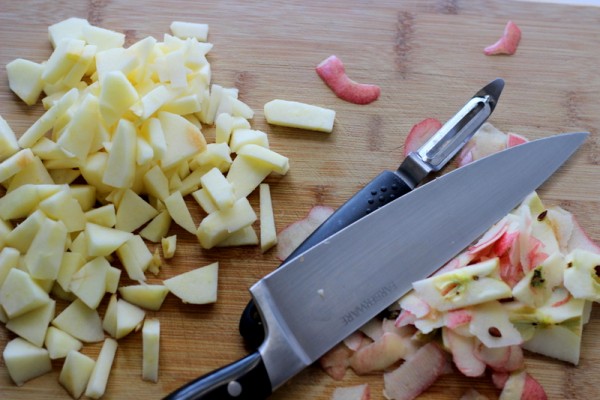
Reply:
x=369, y=302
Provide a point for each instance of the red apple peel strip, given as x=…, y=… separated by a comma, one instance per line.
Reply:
x=508, y=43
x=420, y=133
x=333, y=73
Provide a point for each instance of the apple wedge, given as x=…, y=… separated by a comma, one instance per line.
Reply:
x=25, y=361
x=60, y=343
x=100, y=373
x=81, y=322
x=150, y=343
x=198, y=286
x=76, y=372
x=149, y=297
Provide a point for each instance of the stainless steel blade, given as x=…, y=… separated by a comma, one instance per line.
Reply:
x=329, y=291
x=435, y=153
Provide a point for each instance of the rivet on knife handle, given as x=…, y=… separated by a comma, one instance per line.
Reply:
x=246, y=379
x=391, y=185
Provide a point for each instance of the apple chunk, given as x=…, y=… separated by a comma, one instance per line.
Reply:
x=149, y=297
x=299, y=115
x=76, y=372
x=24, y=361
x=33, y=325
x=151, y=342
x=198, y=286
x=81, y=322
x=60, y=343
x=20, y=294
x=101, y=371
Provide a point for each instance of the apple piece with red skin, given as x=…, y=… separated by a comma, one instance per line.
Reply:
x=420, y=133
x=487, y=140
x=417, y=374
x=293, y=235
x=379, y=355
x=560, y=320
x=336, y=361
x=471, y=285
x=333, y=73
x=518, y=385
x=508, y=42
x=537, y=285
x=462, y=349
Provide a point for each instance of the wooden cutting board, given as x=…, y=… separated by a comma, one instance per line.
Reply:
x=427, y=57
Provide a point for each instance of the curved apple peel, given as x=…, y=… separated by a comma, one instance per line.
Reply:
x=508, y=42
x=420, y=133
x=332, y=72
x=294, y=234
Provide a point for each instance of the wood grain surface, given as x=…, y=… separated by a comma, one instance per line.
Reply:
x=427, y=57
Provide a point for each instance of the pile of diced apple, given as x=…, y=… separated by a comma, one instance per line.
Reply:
x=103, y=172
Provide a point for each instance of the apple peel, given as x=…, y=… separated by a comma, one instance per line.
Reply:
x=333, y=73
x=508, y=42
x=420, y=133
x=417, y=374
x=358, y=392
x=293, y=235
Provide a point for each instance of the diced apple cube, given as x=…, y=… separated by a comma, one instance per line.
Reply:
x=245, y=176
x=47, y=120
x=70, y=264
x=99, y=377
x=9, y=258
x=135, y=257
x=268, y=233
x=133, y=212
x=225, y=124
x=241, y=137
x=15, y=163
x=81, y=322
x=64, y=56
x=22, y=235
x=183, y=139
x=169, y=245
x=103, y=38
x=102, y=241
x=25, y=361
x=79, y=135
x=156, y=137
x=157, y=228
x=179, y=212
x=76, y=372
x=243, y=237
x=32, y=326
x=85, y=195
x=218, y=225
x=152, y=101
x=25, y=79
x=8, y=140
x=190, y=30
x=198, y=286
x=117, y=94
x=19, y=294
x=35, y=173
x=89, y=282
x=113, y=275
x=75, y=75
x=266, y=157
x=299, y=115
x=44, y=256
x=205, y=200
x=122, y=317
x=63, y=207
x=71, y=28
x=149, y=297
x=116, y=59
x=151, y=343
x=121, y=167
x=60, y=343
x=104, y=216
x=219, y=188
x=216, y=155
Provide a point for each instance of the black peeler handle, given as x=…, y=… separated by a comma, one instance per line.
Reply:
x=385, y=188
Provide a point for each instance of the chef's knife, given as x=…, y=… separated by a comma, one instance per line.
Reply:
x=329, y=291
x=388, y=186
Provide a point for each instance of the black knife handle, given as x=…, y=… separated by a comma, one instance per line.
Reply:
x=245, y=379
x=383, y=189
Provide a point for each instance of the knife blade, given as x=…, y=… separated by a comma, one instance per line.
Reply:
x=388, y=186
x=326, y=293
